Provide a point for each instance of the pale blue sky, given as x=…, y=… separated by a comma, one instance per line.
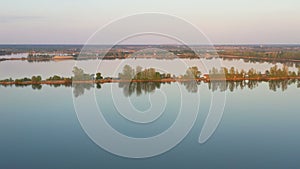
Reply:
x=223, y=21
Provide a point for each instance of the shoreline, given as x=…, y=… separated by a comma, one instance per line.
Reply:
x=171, y=80
x=222, y=56
x=39, y=59
x=258, y=58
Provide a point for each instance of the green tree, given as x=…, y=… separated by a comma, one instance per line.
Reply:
x=33, y=79
x=77, y=72
x=242, y=73
x=225, y=71
x=55, y=78
x=36, y=79
x=98, y=76
x=274, y=70
x=128, y=73
x=285, y=70
x=138, y=69
x=252, y=73
x=80, y=75
x=193, y=72
x=232, y=71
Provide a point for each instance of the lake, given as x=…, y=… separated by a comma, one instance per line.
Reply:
x=258, y=129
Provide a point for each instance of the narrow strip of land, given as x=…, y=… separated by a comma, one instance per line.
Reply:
x=169, y=80
x=259, y=58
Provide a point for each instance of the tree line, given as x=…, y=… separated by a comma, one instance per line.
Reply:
x=263, y=53
x=274, y=71
x=147, y=74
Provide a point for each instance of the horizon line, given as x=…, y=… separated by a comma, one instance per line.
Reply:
x=218, y=44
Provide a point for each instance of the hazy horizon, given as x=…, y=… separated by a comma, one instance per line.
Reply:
x=141, y=44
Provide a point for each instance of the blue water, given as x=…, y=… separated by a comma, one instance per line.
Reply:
x=259, y=129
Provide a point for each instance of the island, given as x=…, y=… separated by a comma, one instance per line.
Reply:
x=151, y=75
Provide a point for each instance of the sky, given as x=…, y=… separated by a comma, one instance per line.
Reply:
x=222, y=21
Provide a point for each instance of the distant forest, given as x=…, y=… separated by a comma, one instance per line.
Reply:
x=253, y=52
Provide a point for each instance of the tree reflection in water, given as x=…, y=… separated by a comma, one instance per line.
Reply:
x=36, y=86
x=215, y=85
x=283, y=84
x=274, y=85
x=191, y=86
x=80, y=87
x=139, y=87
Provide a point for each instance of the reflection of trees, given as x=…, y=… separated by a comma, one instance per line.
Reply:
x=80, y=87
x=217, y=85
x=237, y=84
x=274, y=85
x=21, y=85
x=252, y=84
x=139, y=87
x=231, y=86
x=283, y=84
x=98, y=86
x=191, y=86
x=149, y=87
x=36, y=86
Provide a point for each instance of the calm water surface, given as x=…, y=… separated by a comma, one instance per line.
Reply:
x=259, y=129
x=20, y=69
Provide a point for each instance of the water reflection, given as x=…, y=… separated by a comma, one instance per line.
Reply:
x=231, y=86
x=191, y=86
x=140, y=88
x=36, y=86
x=79, y=88
x=283, y=85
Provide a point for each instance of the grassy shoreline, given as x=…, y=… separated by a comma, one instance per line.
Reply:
x=68, y=82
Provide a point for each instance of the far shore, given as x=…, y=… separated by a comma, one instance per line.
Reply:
x=220, y=55
x=36, y=59
x=259, y=58
x=168, y=80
